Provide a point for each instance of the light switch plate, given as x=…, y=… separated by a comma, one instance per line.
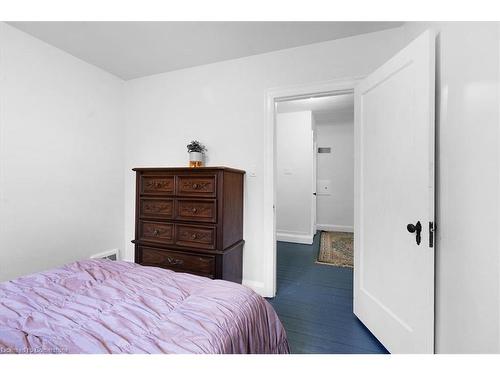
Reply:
x=323, y=187
x=253, y=171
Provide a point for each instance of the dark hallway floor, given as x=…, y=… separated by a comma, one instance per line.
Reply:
x=314, y=303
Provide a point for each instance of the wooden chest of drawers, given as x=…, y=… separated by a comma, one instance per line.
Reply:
x=190, y=220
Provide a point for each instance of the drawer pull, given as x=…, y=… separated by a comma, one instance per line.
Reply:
x=173, y=261
x=197, y=186
x=156, y=232
x=194, y=236
x=194, y=210
x=157, y=184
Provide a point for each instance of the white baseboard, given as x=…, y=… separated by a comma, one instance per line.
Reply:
x=257, y=286
x=295, y=238
x=335, y=228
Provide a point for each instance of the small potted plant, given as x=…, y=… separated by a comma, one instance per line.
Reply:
x=196, y=152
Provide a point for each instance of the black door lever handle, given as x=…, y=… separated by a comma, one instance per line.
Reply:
x=415, y=228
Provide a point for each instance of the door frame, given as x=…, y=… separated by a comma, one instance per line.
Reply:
x=324, y=88
x=314, y=208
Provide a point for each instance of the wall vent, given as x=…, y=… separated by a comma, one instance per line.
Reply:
x=110, y=254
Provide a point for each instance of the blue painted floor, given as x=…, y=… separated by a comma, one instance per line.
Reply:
x=314, y=303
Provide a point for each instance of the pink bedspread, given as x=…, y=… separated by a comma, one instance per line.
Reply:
x=101, y=306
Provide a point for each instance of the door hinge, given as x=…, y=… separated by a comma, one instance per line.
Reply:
x=432, y=230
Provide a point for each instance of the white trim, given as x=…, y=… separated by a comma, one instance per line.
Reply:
x=498, y=202
x=335, y=228
x=314, y=200
x=294, y=237
x=337, y=86
x=256, y=286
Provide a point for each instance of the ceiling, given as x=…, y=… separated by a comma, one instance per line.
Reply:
x=324, y=109
x=136, y=49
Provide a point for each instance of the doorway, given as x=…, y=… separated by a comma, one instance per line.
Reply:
x=315, y=174
x=323, y=89
x=315, y=223
x=394, y=223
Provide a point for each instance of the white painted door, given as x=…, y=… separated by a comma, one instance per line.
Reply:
x=394, y=125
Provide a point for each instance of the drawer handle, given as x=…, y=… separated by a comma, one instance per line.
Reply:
x=194, y=236
x=194, y=210
x=174, y=262
x=195, y=186
x=156, y=232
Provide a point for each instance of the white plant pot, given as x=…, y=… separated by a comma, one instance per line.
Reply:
x=196, y=159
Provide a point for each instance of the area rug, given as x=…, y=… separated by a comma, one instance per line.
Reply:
x=336, y=249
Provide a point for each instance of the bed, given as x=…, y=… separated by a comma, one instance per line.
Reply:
x=103, y=306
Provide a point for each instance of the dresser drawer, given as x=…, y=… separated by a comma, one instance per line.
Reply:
x=195, y=236
x=156, y=208
x=201, y=186
x=156, y=232
x=196, y=210
x=159, y=185
x=203, y=265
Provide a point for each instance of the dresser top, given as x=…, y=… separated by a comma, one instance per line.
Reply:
x=186, y=169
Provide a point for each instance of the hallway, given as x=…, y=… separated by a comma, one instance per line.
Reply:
x=314, y=303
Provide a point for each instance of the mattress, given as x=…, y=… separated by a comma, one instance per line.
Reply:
x=103, y=306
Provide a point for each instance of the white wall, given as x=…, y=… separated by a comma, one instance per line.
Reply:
x=224, y=102
x=335, y=206
x=61, y=152
x=223, y=105
x=467, y=253
x=61, y=157
x=294, y=177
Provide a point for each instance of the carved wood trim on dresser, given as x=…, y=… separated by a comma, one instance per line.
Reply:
x=190, y=220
